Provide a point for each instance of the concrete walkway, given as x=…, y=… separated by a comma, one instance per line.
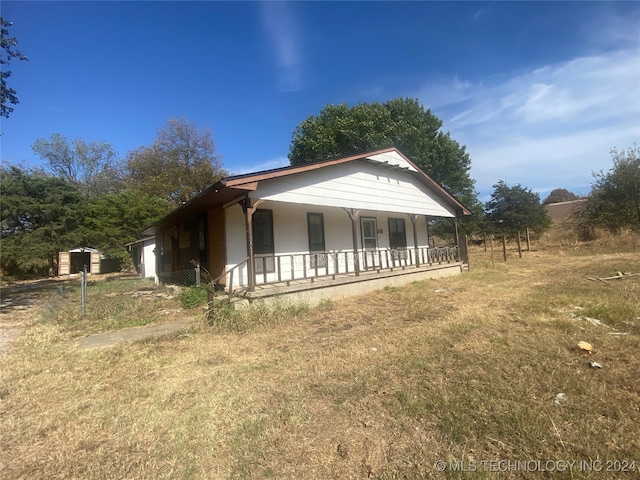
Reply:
x=132, y=334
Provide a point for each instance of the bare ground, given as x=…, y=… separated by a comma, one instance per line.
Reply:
x=19, y=303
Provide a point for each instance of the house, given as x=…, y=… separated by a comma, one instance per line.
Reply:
x=144, y=257
x=328, y=229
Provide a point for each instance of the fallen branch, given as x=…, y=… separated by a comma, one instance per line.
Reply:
x=595, y=321
x=618, y=276
x=621, y=275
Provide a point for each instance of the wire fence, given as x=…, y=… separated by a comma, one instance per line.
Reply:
x=191, y=277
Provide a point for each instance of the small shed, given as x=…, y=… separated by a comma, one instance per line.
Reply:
x=74, y=261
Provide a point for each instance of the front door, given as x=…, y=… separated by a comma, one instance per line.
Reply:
x=369, y=233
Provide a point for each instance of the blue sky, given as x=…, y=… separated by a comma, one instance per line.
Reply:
x=538, y=92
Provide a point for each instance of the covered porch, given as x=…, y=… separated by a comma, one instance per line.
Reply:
x=310, y=271
x=328, y=283
x=281, y=243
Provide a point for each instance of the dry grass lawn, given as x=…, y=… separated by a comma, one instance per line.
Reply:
x=462, y=369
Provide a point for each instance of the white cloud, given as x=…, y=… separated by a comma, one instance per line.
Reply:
x=281, y=27
x=270, y=164
x=440, y=92
x=546, y=128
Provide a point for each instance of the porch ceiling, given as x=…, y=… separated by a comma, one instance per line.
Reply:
x=215, y=196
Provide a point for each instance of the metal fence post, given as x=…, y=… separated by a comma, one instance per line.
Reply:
x=197, y=275
x=83, y=289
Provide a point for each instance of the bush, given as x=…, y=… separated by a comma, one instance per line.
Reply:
x=193, y=297
x=614, y=202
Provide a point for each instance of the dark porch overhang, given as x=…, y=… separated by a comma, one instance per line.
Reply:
x=217, y=195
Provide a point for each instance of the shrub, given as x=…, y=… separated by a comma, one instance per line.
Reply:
x=193, y=297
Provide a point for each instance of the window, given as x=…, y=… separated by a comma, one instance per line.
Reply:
x=263, y=246
x=397, y=233
x=369, y=232
x=315, y=228
x=202, y=240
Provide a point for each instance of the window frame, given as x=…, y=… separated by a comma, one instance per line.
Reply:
x=393, y=223
x=263, y=250
x=317, y=257
x=364, y=239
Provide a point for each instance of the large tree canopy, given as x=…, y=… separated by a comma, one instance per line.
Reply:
x=115, y=219
x=181, y=163
x=7, y=52
x=614, y=202
x=40, y=217
x=340, y=130
x=92, y=167
x=513, y=209
x=558, y=195
x=89, y=197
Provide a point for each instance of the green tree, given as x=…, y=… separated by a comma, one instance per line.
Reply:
x=614, y=202
x=181, y=163
x=93, y=167
x=40, y=216
x=115, y=219
x=513, y=209
x=340, y=130
x=7, y=52
x=558, y=195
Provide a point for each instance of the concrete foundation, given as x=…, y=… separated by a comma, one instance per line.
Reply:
x=312, y=293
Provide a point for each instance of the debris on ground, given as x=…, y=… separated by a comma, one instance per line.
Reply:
x=560, y=398
x=595, y=321
x=586, y=346
x=598, y=323
x=595, y=365
x=617, y=276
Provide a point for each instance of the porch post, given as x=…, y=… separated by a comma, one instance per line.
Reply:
x=414, y=222
x=426, y=221
x=455, y=226
x=251, y=263
x=354, y=215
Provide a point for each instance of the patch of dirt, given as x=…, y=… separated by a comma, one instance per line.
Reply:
x=19, y=302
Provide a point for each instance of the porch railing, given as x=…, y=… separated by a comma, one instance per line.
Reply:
x=286, y=268
x=309, y=266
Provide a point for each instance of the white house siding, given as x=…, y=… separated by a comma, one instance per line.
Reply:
x=359, y=185
x=392, y=158
x=236, y=239
x=291, y=237
x=149, y=259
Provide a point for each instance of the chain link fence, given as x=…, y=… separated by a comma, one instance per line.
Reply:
x=191, y=277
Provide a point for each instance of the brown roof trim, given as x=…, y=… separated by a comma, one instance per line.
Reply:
x=140, y=240
x=237, y=181
x=435, y=185
x=249, y=181
x=281, y=172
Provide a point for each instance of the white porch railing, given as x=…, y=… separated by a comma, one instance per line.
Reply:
x=286, y=268
x=309, y=266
